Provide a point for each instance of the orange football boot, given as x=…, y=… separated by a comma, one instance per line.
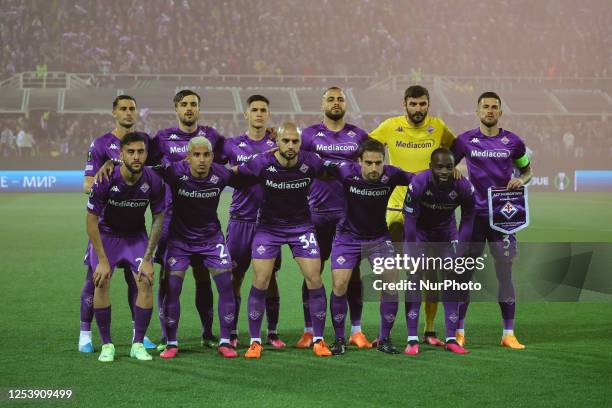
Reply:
x=305, y=341
x=359, y=339
x=320, y=349
x=510, y=341
x=254, y=351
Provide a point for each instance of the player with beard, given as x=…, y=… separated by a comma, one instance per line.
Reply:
x=285, y=176
x=170, y=145
x=118, y=237
x=429, y=217
x=492, y=154
x=410, y=140
x=367, y=186
x=334, y=140
x=244, y=210
x=102, y=149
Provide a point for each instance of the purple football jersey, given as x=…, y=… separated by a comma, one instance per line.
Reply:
x=284, y=190
x=171, y=144
x=428, y=207
x=121, y=207
x=238, y=150
x=490, y=160
x=366, y=202
x=326, y=195
x=195, y=200
x=104, y=148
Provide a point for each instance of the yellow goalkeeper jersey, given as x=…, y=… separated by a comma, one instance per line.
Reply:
x=410, y=147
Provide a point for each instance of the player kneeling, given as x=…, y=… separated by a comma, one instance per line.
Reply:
x=118, y=237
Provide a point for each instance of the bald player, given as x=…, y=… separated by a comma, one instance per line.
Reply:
x=285, y=176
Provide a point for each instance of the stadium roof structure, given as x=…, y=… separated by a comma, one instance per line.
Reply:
x=301, y=95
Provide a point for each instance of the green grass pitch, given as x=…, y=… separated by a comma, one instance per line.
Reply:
x=568, y=360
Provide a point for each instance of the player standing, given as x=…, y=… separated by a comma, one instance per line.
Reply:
x=245, y=208
x=367, y=187
x=195, y=237
x=285, y=176
x=335, y=140
x=410, y=139
x=118, y=236
x=170, y=145
x=492, y=154
x=102, y=149
x=429, y=217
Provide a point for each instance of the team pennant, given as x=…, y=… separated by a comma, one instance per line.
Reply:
x=508, y=209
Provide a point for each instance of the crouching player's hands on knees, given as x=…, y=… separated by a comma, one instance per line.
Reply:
x=145, y=271
x=102, y=273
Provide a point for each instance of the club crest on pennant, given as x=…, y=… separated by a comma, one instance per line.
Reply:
x=508, y=210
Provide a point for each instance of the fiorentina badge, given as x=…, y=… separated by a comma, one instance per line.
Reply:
x=508, y=209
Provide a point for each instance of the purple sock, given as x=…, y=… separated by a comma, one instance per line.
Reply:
x=272, y=311
x=173, y=306
x=132, y=290
x=87, y=294
x=318, y=310
x=451, y=317
x=142, y=318
x=256, y=307
x=306, y=306
x=412, y=317
x=388, y=312
x=103, y=319
x=226, y=306
x=354, y=294
x=506, y=293
x=237, y=302
x=338, y=308
x=463, y=307
x=161, y=300
x=507, y=312
x=204, y=303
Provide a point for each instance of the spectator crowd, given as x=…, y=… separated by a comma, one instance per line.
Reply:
x=320, y=37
